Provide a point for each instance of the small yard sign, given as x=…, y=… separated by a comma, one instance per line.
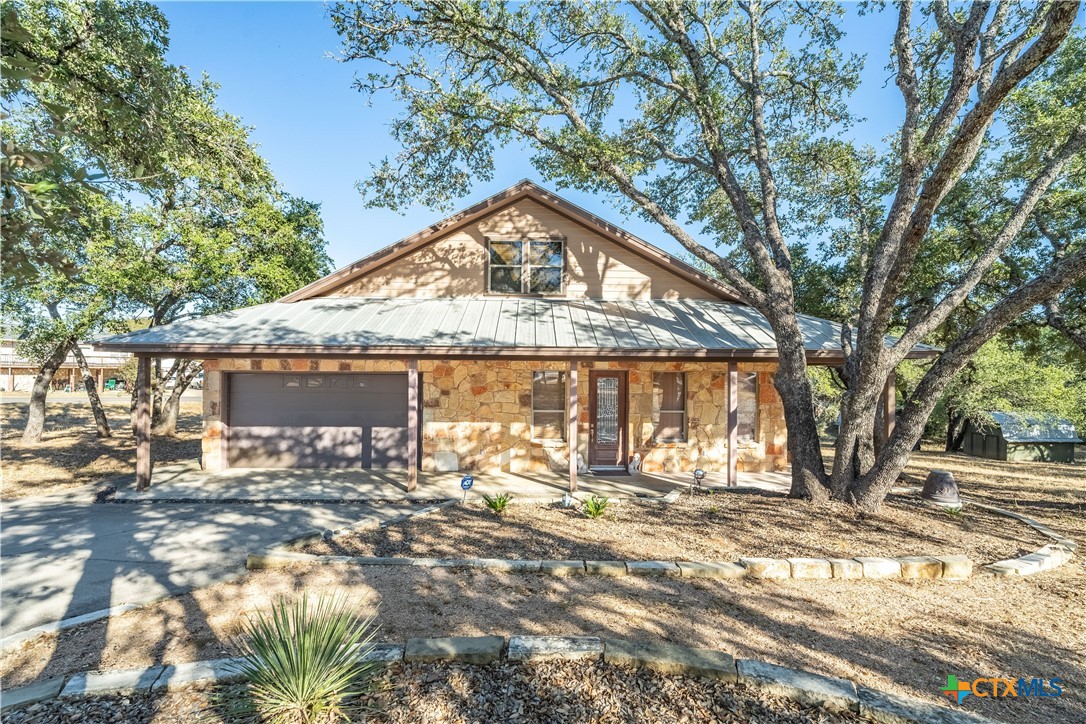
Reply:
x=465, y=483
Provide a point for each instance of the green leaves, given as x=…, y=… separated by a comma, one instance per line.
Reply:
x=305, y=661
x=595, y=506
x=497, y=503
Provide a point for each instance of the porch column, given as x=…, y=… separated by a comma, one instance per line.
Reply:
x=100, y=380
x=888, y=409
x=11, y=379
x=412, y=425
x=71, y=379
x=732, y=389
x=571, y=427
x=143, y=423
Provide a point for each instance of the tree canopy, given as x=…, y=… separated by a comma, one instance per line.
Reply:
x=130, y=197
x=733, y=117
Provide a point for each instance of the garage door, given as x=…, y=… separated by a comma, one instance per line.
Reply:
x=317, y=420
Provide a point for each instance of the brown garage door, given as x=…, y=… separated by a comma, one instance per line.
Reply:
x=317, y=420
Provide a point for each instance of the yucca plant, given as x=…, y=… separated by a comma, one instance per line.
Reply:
x=306, y=661
x=498, y=502
x=595, y=506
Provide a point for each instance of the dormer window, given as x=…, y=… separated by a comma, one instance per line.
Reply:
x=526, y=266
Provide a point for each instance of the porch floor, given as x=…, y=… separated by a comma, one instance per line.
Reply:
x=268, y=485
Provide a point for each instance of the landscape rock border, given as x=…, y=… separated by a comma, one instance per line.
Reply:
x=947, y=567
x=954, y=567
x=1045, y=558
x=805, y=687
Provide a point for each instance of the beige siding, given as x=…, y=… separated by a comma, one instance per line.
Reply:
x=455, y=265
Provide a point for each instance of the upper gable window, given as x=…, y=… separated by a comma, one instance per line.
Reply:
x=529, y=266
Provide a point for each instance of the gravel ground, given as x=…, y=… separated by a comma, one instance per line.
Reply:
x=71, y=454
x=501, y=692
x=714, y=527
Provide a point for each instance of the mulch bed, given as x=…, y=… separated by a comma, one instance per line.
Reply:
x=70, y=453
x=723, y=526
x=550, y=691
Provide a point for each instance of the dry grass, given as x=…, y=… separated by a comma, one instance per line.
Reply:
x=1053, y=493
x=716, y=527
x=70, y=454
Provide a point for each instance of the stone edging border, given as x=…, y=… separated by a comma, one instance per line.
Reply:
x=804, y=687
x=1046, y=558
x=953, y=567
x=950, y=567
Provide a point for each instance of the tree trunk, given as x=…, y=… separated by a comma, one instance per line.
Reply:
x=955, y=430
x=35, y=421
x=100, y=420
x=854, y=452
x=167, y=420
x=794, y=387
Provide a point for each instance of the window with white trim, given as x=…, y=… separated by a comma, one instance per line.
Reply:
x=531, y=266
x=549, y=405
x=669, y=397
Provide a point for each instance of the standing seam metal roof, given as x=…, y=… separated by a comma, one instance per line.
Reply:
x=687, y=325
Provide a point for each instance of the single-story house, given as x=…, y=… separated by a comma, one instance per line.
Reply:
x=522, y=334
x=1013, y=436
x=17, y=372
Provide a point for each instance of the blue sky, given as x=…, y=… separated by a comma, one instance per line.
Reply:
x=272, y=61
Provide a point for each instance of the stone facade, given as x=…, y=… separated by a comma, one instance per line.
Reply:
x=477, y=415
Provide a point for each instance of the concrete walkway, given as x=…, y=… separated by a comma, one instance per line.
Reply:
x=64, y=556
x=186, y=484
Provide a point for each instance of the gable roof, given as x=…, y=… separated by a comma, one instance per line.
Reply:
x=524, y=189
x=1018, y=427
x=471, y=327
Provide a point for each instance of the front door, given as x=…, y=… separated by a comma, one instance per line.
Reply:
x=607, y=419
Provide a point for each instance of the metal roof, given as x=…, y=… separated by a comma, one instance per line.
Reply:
x=482, y=326
x=1018, y=427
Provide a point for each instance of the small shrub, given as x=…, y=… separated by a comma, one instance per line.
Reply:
x=497, y=503
x=953, y=512
x=303, y=662
x=595, y=506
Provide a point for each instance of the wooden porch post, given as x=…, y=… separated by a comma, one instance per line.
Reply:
x=100, y=380
x=732, y=388
x=888, y=405
x=71, y=379
x=143, y=423
x=412, y=425
x=572, y=427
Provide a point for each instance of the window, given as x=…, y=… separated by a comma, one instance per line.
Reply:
x=549, y=405
x=526, y=267
x=748, y=406
x=669, y=398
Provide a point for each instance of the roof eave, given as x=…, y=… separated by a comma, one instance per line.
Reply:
x=822, y=357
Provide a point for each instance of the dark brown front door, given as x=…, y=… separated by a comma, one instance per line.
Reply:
x=607, y=419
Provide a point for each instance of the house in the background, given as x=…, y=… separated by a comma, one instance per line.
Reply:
x=1013, y=436
x=17, y=373
x=521, y=334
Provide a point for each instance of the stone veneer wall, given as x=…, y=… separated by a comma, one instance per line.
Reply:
x=477, y=414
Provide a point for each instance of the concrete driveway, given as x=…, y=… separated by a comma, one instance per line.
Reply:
x=63, y=556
